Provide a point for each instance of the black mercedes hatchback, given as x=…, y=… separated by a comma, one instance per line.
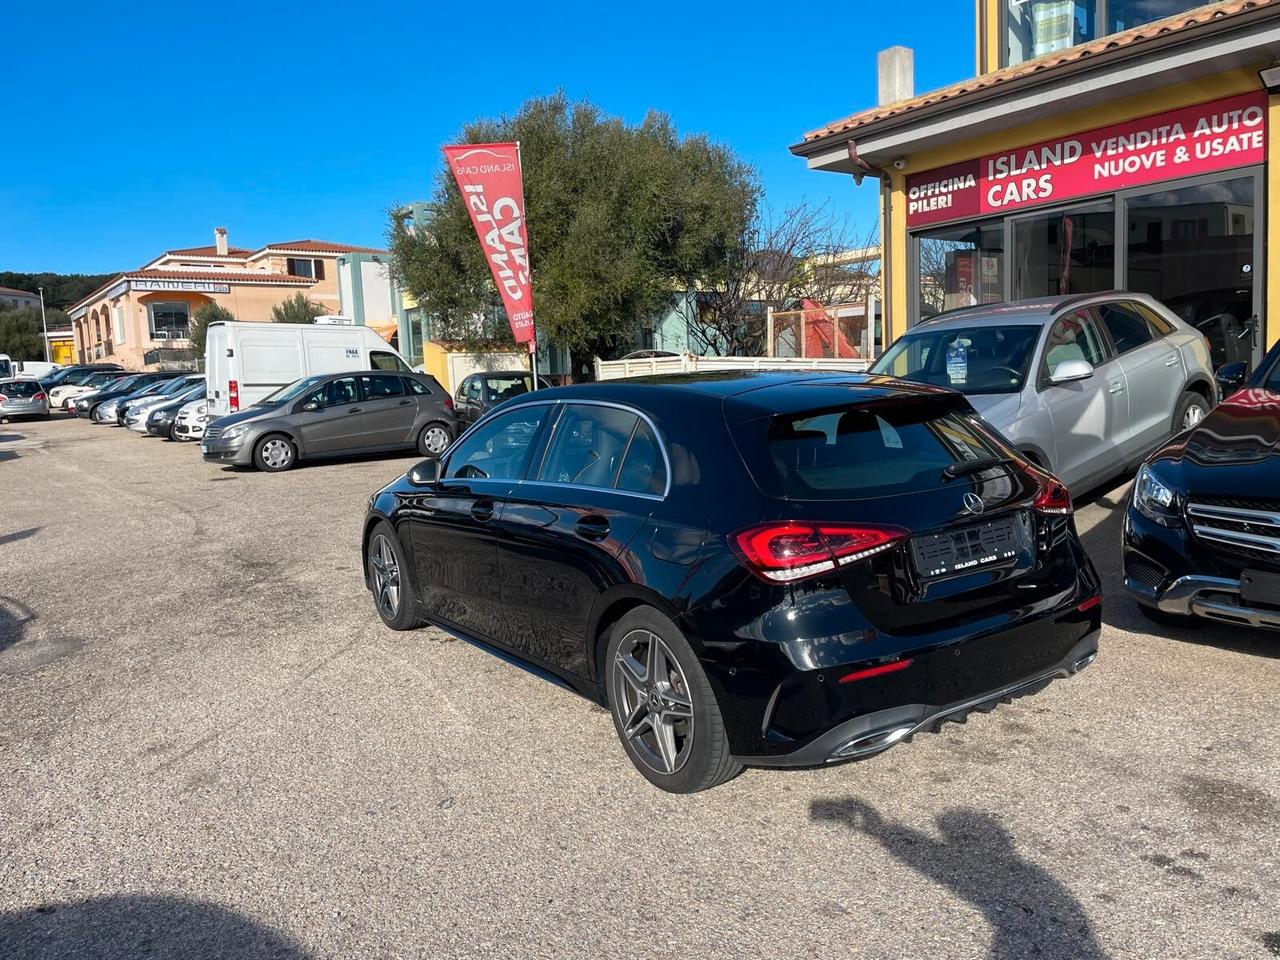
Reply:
x=747, y=568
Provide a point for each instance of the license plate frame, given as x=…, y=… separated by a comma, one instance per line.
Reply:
x=992, y=543
x=1260, y=588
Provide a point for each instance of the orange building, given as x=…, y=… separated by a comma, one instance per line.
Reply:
x=141, y=318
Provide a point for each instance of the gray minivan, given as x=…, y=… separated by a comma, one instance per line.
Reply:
x=1085, y=386
x=335, y=414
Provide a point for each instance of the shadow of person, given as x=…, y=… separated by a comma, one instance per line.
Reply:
x=1031, y=913
x=157, y=927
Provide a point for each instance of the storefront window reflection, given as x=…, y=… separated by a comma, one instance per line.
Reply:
x=1192, y=248
x=1035, y=28
x=961, y=266
x=1066, y=251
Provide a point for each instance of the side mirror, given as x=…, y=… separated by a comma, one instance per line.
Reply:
x=425, y=473
x=311, y=406
x=1231, y=377
x=1070, y=370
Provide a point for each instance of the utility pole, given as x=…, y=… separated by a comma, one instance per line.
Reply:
x=44, y=325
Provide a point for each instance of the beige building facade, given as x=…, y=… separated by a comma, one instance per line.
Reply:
x=141, y=318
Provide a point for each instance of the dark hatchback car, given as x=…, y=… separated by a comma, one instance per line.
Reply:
x=87, y=406
x=75, y=373
x=335, y=414
x=1202, y=532
x=479, y=393
x=765, y=569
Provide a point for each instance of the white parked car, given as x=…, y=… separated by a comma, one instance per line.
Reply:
x=137, y=416
x=191, y=420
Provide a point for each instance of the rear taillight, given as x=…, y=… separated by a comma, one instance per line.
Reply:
x=448, y=403
x=788, y=551
x=40, y=396
x=1052, y=496
x=233, y=395
x=3, y=398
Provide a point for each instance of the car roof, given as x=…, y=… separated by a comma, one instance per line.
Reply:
x=1035, y=310
x=749, y=393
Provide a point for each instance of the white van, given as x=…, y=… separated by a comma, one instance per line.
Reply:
x=246, y=361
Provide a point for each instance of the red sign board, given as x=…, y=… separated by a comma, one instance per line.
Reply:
x=488, y=174
x=1206, y=138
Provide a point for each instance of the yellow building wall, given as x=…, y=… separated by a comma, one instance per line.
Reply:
x=1065, y=124
x=62, y=351
x=988, y=39
x=435, y=361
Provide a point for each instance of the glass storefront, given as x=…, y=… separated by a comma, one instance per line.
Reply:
x=1034, y=28
x=1194, y=245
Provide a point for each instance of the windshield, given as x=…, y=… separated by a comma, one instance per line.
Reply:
x=973, y=360
x=124, y=383
x=295, y=389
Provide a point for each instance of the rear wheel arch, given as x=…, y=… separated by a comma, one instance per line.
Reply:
x=609, y=608
x=1036, y=456
x=1201, y=386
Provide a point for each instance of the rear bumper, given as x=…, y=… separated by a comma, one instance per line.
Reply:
x=876, y=732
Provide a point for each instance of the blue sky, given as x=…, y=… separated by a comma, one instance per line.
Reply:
x=143, y=126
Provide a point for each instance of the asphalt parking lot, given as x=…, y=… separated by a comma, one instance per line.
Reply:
x=211, y=747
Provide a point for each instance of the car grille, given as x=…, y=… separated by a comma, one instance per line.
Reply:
x=213, y=433
x=1252, y=530
x=1143, y=572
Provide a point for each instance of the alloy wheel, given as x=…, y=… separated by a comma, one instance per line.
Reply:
x=435, y=440
x=655, y=706
x=276, y=453
x=1193, y=416
x=386, y=577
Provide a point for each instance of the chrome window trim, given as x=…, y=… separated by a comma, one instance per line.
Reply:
x=561, y=402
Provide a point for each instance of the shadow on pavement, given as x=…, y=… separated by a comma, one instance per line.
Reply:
x=157, y=927
x=14, y=617
x=18, y=535
x=1102, y=543
x=1031, y=912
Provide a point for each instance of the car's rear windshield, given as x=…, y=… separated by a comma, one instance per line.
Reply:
x=978, y=359
x=19, y=388
x=879, y=450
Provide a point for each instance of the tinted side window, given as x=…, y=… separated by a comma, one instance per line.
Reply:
x=340, y=392
x=381, y=360
x=1159, y=325
x=378, y=387
x=1073, y=337
x=504, y=388
x=498, y=450
x=1127, y=328
x=643, y=468
x=417, y=387
x=471, y=388
x=588, y=445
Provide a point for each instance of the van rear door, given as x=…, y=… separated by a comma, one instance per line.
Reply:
x=217, y=372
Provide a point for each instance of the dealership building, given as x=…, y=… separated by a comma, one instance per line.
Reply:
x=1104, y=144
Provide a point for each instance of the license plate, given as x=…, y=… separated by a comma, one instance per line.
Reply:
x=1258, y=588
x=204, y=448
x=1001, y=541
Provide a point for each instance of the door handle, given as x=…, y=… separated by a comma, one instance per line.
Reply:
x=1171, y=360
x=1115, y=388
x=482, y=510
x=404, y=403
x=593, y=527
x=355, y=410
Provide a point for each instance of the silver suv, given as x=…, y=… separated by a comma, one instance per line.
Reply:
x=1086, y=386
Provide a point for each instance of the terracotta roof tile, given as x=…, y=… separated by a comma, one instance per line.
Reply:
x=238, y=253
x=1187, y=20
x=320, y=246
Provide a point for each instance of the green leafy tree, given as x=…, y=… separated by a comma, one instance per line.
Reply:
x=60, y=289
x=297, y=309
x=204, y=315
x=619, y=218
x=20, y=333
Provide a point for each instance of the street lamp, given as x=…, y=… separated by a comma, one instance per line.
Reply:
x=44, y=325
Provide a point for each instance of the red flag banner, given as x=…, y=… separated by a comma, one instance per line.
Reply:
x=488, y=174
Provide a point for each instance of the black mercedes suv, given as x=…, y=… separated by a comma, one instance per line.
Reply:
x=764, y=568
x=1202, y=532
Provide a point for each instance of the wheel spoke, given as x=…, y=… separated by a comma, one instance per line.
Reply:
x=637, y=720
x=655, y=667
x=633, y=671
x=665, y=737
x=676, y=705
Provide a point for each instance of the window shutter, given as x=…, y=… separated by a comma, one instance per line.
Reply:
x=291, y=266
x=319, y=269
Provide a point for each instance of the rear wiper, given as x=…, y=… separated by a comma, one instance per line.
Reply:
x=953, y=470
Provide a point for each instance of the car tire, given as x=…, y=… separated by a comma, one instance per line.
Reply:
x=430, y=439
x=1191, y=411
x=1158, y=616
x=390, y=581
x=275, y=453
x=648, y=653
x=93, y=415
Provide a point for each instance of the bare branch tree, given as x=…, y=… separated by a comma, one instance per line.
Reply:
x=803, y=254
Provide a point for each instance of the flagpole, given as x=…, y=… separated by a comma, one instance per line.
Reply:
x=533, y=342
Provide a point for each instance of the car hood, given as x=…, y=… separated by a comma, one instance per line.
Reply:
x=247, y=415
x=1234, y=452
